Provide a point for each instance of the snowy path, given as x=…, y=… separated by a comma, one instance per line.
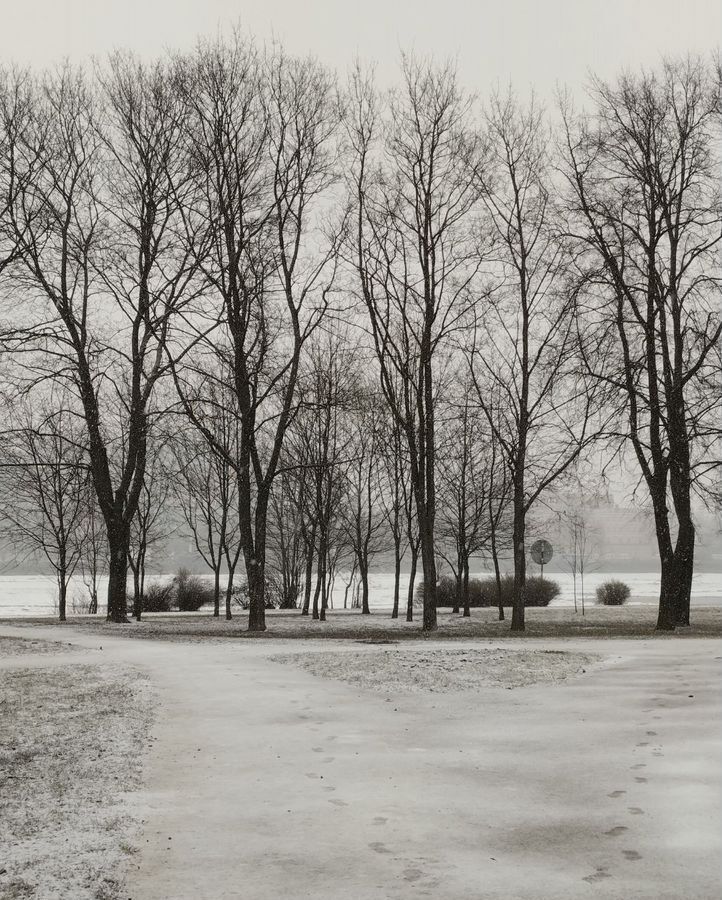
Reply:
x=263, y=781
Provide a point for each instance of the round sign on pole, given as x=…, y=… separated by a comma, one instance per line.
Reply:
x=541, y=552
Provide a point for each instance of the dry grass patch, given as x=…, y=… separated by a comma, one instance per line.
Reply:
x=12, y=646
x=70, y=749
x=441, y=669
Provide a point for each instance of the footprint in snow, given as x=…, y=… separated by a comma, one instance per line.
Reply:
x=616, y=831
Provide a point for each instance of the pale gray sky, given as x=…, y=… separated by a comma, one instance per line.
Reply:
x=539, y=42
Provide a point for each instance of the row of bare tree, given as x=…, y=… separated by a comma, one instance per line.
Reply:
x=357, y=320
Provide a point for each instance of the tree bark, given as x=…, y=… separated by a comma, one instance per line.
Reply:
x=363, y=568
x=216, y=591
x=517, y=614
x=117, y=578
x=62, y=594
x=412, y=579
x=465, y=589
x=497, y=574
x=397, y=579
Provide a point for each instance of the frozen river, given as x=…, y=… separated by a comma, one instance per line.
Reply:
x=35, y=595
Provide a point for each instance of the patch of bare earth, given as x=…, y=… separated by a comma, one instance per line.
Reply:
x=70, y=750
x=441, y=670
x=11, y=646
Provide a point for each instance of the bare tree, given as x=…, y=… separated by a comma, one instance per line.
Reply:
x=465, y=487
x=97, y=187
x=364, y=516
x=396, y=489
x=523, y=356
x=93, y=547
x=412, y=254
x=579, y=549
x=205, y=488
x=44, y=474
x=319, y=448
x=287, y=542
x=642, y=171
x=150, y=528
x=263, y=134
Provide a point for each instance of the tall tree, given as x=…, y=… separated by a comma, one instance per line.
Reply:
x=412, y=251
x=523, y=352
x=263, y=134
x=97, y=184
x=643, y=175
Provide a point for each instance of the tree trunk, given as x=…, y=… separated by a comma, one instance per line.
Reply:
x=497, y=575
x=229, y=592
x=397, y=579
x=137, y=591
x=666, y=616
x=465, y=589
x=683, y=568
x=324, y=597
x=256, y=570
x=217, y=590
x=517, y=614
x=309, y=571
x=363, y=568
x=62, y=594
x=428, y=562
x=320, y=575
x=412, y=579
x=457, y=586
x=117, y=579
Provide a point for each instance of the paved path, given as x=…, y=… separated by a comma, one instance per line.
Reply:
x=265, y=782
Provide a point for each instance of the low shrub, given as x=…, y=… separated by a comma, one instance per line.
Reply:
x=190, y=591
x=158, y=597
x=613, y=593
x=239, y=595
x=483, y=591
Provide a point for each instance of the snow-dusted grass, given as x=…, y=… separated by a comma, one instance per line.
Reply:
x=441, y=669
x=20, y=646
x=70, y=749
x=550, y=622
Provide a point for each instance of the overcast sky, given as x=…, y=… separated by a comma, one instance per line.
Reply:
x=528, y=42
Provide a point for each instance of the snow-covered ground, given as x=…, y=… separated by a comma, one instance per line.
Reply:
x=35, y=595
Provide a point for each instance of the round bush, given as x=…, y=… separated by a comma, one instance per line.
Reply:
x=157, y=598
x=191, y=592
x=613, y=593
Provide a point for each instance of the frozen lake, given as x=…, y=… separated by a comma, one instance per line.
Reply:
x=35, y=595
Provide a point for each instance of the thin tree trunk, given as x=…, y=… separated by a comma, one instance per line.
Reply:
x=497, y=576
x=364, y=572
x=217, y=590
x=457, y=586
x=320, y=576
x=62, y=594
x=465, y=589
x=412, y=579
x=309, y=571
x=229, y=591
x=397, y=579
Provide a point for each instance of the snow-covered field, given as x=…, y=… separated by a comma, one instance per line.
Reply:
x=35, y=595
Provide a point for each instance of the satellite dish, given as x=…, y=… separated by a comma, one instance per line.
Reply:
x=542, y=552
